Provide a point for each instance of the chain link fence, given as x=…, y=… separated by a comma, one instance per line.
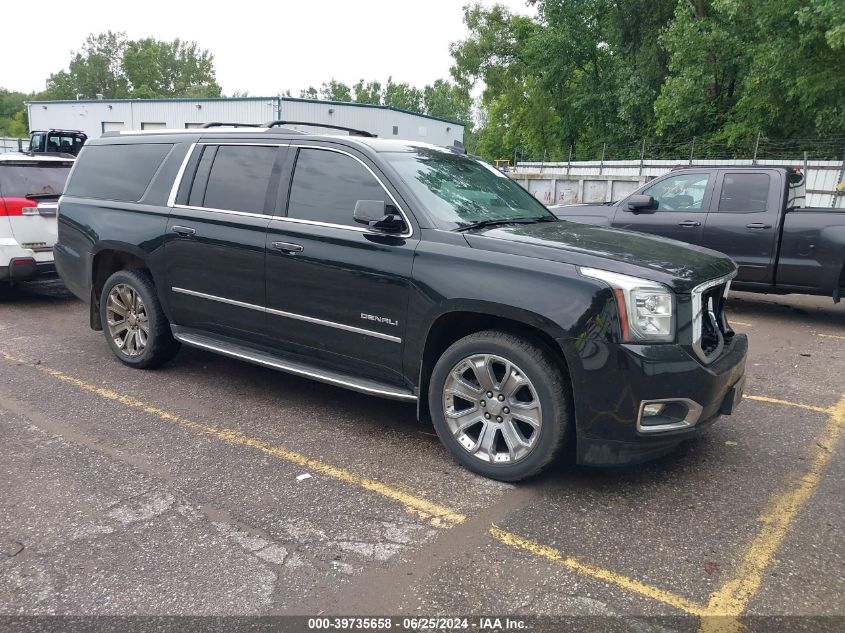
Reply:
x=619, y=170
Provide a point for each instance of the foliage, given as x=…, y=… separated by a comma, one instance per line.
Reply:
x=335, y=91
x=118, y=68
x=13, y=113
x=156, y=69
x=443, y=98
x=587, y=75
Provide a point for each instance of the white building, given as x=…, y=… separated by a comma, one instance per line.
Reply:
x=94, y=117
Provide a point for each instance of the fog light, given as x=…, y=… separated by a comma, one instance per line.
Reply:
x=656, y=416
x=655, y=408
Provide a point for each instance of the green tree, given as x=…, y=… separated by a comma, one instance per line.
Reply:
x=335, y=91
x=309, y=93
x=743, y=67
x=403, y=96
x=96, y=69
x=156, y=68
x=447, y=100
x=367, y=92
x=582, y=74
x=118, y=68
x=13, y=113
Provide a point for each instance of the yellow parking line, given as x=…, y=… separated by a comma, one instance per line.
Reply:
x=437, y=515
x=776, y=521
x=841, y=338
x=556, y=556
x=742, y=323
x=725, y=606
x=808, y=407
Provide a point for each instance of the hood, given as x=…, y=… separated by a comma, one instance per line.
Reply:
x=679, y=265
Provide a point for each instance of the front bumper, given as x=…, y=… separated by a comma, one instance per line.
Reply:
x=609, y=399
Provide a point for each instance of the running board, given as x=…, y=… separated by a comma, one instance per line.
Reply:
x=299, y=368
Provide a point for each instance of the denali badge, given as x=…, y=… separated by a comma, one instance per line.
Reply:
x=378, y=319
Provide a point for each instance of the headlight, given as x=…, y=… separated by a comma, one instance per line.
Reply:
x=646, y=308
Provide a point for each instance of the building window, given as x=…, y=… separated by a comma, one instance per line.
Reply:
x=153, y=126
x=395, y=130
x=111, y=126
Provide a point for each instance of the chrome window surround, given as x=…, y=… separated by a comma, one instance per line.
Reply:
x=174, y=190
x=693, y=414
x=698, y=309
x=289, y=315
x=410, y=230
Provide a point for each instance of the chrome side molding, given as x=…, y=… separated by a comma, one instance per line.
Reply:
x=289, y=315
x=292, y=367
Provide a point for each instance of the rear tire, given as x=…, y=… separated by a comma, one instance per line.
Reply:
x=500, y=404
x=136, y=329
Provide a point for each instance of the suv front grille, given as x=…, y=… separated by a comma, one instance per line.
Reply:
x=710, y=330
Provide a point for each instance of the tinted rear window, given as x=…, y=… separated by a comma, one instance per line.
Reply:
x=116, y=172
x=239, y=178
x=19, y=180
x=744, y=193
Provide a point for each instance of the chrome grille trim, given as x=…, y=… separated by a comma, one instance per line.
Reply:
x=698, y=311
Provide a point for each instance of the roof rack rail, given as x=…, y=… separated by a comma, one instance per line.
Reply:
x=219, y=124
x=351, y=130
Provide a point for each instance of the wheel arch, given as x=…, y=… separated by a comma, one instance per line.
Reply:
x=463, y=319
x=107, y=260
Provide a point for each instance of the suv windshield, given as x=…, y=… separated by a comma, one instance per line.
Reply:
x=21, y=179
x=460, y=191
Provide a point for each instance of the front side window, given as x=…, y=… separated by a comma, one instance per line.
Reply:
x=744, y=193
x=680, y=193
x=326, y=185
x=460, y=191
x=239, y=178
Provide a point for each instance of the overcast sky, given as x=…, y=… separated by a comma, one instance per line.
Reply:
x=261, y=47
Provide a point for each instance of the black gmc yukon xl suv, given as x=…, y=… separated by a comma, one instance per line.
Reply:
x=406, y=271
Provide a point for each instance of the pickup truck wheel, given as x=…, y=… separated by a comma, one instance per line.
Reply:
x=500, y=404
x=136, y=329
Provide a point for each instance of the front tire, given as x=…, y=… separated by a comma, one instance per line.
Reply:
x=500, y=404
x=136, y=329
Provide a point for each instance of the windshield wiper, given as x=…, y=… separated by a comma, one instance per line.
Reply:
x=38, y=196
x=483, y=224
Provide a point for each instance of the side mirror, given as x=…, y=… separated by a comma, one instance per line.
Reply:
x=641, y=204
x=377, y=215
x=795, y=178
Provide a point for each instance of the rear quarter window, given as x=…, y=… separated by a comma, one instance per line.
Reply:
x=116, y=172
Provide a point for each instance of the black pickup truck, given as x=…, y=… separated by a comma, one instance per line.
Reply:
x=406, y=271
x=748, y=213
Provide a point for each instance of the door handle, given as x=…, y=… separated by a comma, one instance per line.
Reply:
x=288, y=248
x=183, y=231
x=758, y=225
x=689, y=223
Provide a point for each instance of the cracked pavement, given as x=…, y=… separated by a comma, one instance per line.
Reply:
x=111, y=510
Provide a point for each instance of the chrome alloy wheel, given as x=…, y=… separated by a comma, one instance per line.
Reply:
x=127, y=320
x=492, y=409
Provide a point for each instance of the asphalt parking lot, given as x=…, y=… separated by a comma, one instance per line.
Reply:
x=180, y=491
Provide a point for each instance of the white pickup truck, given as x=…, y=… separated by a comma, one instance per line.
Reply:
x=30, y=187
